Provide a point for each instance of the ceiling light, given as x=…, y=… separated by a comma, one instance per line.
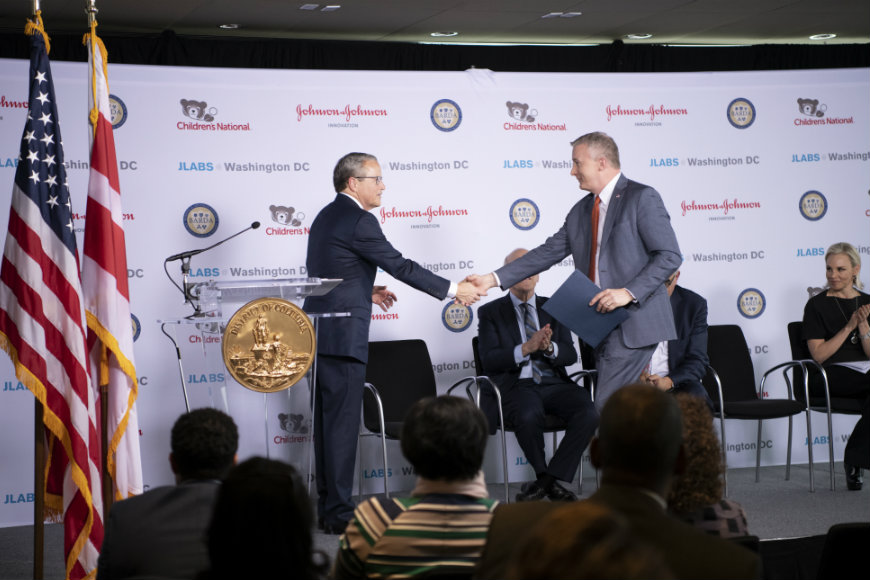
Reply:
x=330, y=8
x=561, y=14
x=309, y=7
x=552, y=15
x=439, y=34
x=229, y=26
x=827, y=36
x=638, y=36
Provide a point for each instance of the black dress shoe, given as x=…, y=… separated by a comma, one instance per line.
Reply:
x=334, y=528
x=559, y=493
x=532, y=492
x=854, y=477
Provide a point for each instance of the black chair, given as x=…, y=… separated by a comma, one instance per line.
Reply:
x=841, y=554
x=730, y=382
x=475, y=385
x=399, y=373
x=821, y=403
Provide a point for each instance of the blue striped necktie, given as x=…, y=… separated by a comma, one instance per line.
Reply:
x=530, y=328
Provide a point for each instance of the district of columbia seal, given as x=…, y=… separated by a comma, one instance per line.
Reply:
x=268, y=345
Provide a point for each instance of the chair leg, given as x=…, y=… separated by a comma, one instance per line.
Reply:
x=810, y=450
x=758, y=453
x=580, y=477
x=788, y=450
x=386, y=468
x=507, y=498
x=830, y=447
x=724, y=455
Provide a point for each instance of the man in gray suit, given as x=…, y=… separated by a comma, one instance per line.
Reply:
x=621, y=237
x=161, y=533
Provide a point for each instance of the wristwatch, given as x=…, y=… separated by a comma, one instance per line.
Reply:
x=865, y=336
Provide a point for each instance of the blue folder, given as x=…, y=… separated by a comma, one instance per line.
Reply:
x=570, y=306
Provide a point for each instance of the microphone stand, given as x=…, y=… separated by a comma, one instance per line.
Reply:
x=187, y=286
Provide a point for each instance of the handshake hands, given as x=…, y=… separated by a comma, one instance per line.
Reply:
x=473, y=287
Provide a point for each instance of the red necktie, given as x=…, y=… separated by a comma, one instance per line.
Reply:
x=594, y=239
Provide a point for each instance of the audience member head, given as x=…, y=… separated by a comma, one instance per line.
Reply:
x=848, y=250
x=347, y=167
x=204, y=444
x=700, y=483
x=600, y=145
x=262, y=524
x=639, y=438
x=584, y=541
x=525, y=287
x=444, y=438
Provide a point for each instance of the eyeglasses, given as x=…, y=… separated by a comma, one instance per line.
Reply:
x=378, y=179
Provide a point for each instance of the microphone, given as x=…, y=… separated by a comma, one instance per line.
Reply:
x=190, y=253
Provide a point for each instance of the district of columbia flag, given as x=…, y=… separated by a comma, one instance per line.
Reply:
x=42, y=318
x=106, y=294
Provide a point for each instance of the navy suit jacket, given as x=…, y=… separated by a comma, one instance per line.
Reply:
x=346, y=242
x=498, y=333
x=687, y=354
x=639, y=251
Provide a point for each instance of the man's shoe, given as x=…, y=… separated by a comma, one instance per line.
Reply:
x=531, y=492
x=334, y=528
x=854, y=477
x=559, y=493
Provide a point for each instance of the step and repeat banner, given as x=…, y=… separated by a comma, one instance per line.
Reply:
x=760, y=172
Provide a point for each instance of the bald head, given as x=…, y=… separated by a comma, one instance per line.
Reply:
x=525, y=288
x=515, y=254
x=639, y=437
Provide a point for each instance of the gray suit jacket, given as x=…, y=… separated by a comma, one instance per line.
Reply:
x=639, y=251
x=160, y=533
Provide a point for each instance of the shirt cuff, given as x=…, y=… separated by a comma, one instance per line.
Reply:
x=518, y=355
x=454, y=288
x=497, y=281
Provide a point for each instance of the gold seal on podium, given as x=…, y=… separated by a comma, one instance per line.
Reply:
x=268, y=345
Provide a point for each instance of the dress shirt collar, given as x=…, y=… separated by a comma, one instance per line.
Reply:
x=517, y=302
x=352, y=198
x=607, y=192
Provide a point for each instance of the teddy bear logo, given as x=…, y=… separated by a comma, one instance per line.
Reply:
x=198, y=110
x=811, y=107
x=521, y=112
x=294, y=423
x=286, y=216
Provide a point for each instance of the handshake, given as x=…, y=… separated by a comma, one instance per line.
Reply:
x=473, y=287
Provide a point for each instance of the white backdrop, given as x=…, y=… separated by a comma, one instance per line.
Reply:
x=758, y=180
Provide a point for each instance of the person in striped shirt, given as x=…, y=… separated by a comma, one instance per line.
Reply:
x=443, y=524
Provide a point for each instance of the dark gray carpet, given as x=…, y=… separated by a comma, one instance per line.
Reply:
x=776, y=508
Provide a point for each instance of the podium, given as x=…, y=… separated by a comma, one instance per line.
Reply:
x=274, y=424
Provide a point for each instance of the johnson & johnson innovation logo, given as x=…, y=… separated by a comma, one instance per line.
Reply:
x=348, y=113
x=7, y=104
x=724, y=208
x=649, y=115
x=429, y=213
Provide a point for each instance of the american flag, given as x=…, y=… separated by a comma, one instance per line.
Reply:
x=42, y=319
x=107, y=297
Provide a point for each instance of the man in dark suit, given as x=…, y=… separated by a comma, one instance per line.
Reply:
x=346, y=242
x=679, y=365
x=621, y=237
x=161, y=533
x=525, y=352
x=638, y=449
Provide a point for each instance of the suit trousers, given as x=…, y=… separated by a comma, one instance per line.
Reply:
x=526, y=405
x=618, y=365
x=337, y=405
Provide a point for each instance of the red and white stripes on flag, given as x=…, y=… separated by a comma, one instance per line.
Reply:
x=42, y=318
x=106, y=295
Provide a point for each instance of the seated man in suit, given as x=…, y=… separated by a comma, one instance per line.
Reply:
x=442, y=527
x=679, y=365
x=161, y=533
x=525, y=352
x=638, y=450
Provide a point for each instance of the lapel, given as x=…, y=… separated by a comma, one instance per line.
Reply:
x=614, y=208
x=509, y=316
